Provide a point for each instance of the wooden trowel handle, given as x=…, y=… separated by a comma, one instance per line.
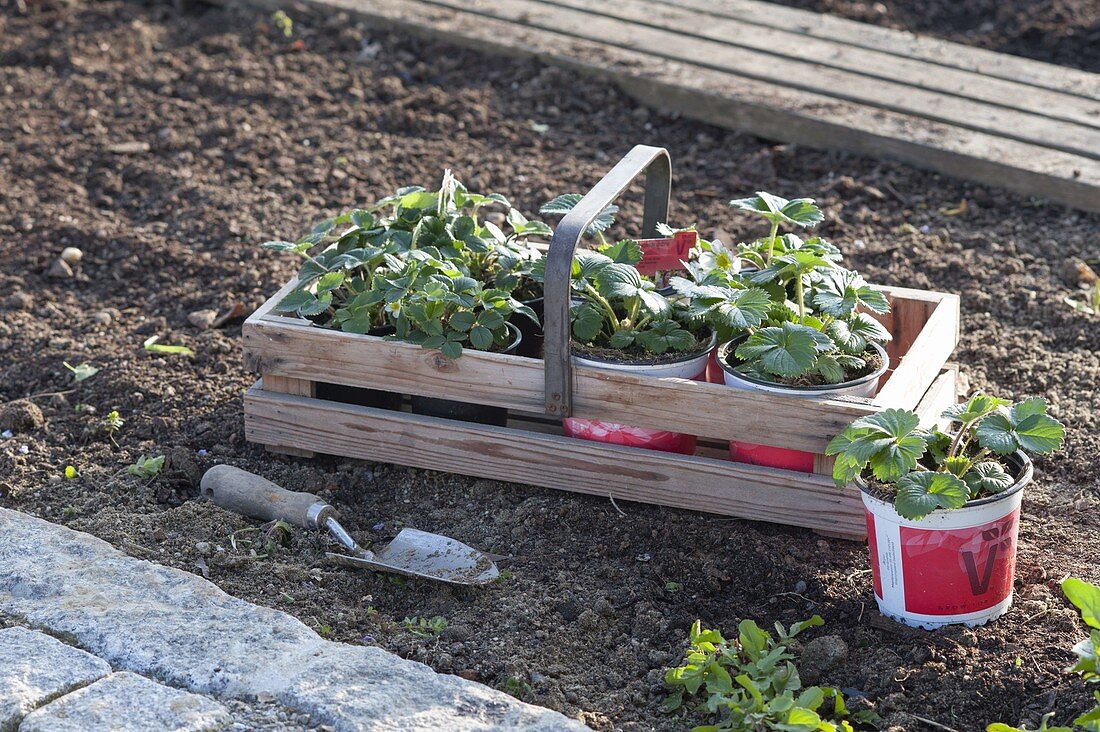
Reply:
x=250, y=495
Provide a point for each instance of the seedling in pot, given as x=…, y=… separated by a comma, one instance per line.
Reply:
x=927, y=469
x=618, y=310
x=375, y=258
x=805, y=320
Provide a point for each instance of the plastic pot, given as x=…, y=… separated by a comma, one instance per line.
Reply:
x=780, y=457
x=950, y=567
x=531, y=344
x=465, y=411
x=362, y=397
x=691, y=366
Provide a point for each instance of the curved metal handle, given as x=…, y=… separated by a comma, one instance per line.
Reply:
x=657, y=165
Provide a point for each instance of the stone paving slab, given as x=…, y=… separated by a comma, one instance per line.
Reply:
x=177, y=627
x=126, y=702
x=35, y=668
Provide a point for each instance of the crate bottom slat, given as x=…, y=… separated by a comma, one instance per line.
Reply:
x=538, y=457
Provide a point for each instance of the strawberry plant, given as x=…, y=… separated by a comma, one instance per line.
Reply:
x=926, y=469
x=801, y=318
x=618, y=309
x=374, y=259
x=752, y=683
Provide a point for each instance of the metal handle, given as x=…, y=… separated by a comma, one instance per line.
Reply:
x=250, y=495
x=657, y=165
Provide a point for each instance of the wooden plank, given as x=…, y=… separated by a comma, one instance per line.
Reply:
x=712, y=410
x=791, y=73
x=924, y=359
x=903, y=44
x=942, y=394
x=764, y=109
x=297, y=387
x=534, y=458
x=793, y=45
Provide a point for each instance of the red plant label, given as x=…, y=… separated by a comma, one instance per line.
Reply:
x=662, y=255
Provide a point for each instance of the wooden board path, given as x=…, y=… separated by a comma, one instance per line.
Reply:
x=797, y=76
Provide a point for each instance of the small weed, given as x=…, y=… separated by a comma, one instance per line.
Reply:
x=268, y=538
x=70, y=472
x=81, y=372
x=425, y=627
x=147, y=467
x=751, y=683
x=518, y=688
x=672, y=586
x=152, y=346
x=324, y=631
x=283, y=22
x=112, y=423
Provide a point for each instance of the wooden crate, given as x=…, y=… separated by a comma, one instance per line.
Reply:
x=293, y=356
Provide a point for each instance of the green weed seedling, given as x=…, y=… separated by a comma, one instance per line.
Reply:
x=147, y=467
x=425, y=627
x=1086, y=597
x=751, y=683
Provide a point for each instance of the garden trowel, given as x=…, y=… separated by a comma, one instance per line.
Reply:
x=412, y=553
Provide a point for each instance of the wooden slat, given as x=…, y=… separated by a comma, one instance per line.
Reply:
x=785, y=46
x=768, y=110
x=899, y=43
x=924, y=359
x=713, y=410
x=296, y=387
x=791, y=73
x=942, y=394
x=551, y=461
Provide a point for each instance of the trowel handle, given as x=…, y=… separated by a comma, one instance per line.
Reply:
x=250, y=495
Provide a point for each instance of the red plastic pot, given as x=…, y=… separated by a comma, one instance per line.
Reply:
x=950, y=567
x=780, y=457
x=692, y=366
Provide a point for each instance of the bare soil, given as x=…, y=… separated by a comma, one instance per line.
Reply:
x=166, y=145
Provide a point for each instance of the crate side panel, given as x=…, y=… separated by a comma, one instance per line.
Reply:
x=710, y=410
x=551, y=461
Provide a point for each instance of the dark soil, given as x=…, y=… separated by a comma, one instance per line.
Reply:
x=251, y=136
x=1064, y=32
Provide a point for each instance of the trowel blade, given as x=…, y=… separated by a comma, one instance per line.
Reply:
x=431, y=556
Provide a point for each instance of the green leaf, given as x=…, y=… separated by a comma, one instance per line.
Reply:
x=70, y=472
x=790, y=350
x=922, y=492
x=976, y=407
x=451, y=349
x=1086, y=597
x=81, y=372
x=587, y=322
x=754, y=641
x=986, y=478
x=1025, y=426
x=799, y=212
x=481, y=338
x=741, y=309
x=892, y=422
x=152, y=346
x=565, y=203
x=841, y=291
x=147, y=467
x=624, y=251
